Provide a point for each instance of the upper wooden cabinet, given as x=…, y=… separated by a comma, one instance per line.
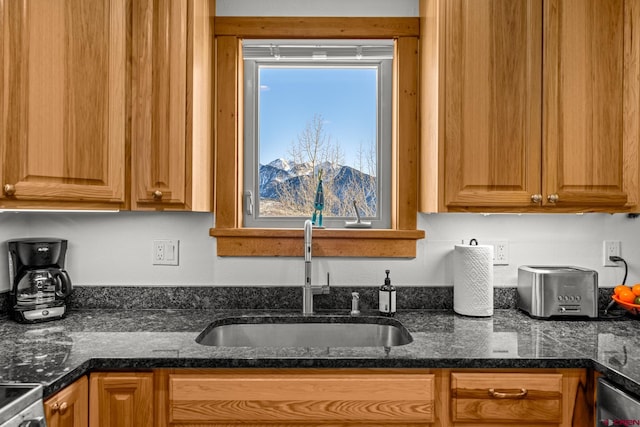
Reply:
x=591, y=106
x=530, y=105
x=171, y=146
x=62, y=103
x=70, y=406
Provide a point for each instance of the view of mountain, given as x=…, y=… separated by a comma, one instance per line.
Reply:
x=342, y=181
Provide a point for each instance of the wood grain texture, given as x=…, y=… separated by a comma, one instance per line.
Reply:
x=119, y=399
x=329, y=396
x=584, y=89
x=63, y=127
x=227, y=205
x=316, y=27
x=166, y=156
x=228, y=143
x=75, y=398
x=431, y=102
x=200, y=84
x=631, y=106
x=562, y=397
x=492, y=118
x=328, y=242
x=407, y=133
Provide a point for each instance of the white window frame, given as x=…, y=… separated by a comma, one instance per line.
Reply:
x=384, y=143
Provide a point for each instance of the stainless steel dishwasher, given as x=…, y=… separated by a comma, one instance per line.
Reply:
x=21, y=405
x=615, y=407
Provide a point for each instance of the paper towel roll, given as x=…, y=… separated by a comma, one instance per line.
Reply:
x=473, y=280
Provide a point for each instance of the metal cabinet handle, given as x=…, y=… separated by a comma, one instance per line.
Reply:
x=9, y=189
x=157, y=195
x=552, y=198
x=504, y=395
x=536, y=198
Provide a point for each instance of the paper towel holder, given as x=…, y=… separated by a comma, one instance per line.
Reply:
x=473, y=242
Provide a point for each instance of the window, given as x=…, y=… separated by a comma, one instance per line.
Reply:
x=317, y=131
x=232, y=238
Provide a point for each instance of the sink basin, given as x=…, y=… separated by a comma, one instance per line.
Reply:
x=308, y=331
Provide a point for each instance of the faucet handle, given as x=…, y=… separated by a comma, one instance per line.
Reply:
x=355, y=299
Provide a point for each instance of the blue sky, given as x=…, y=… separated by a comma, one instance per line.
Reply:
x=290, y=97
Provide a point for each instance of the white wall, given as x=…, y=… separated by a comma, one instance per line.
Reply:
x=115, y=249
x=393, y=8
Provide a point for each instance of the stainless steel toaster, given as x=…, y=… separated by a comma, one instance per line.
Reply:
x=565, y=291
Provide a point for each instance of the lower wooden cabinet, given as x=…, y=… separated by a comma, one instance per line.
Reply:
x=530, y=398
x=374, y=397
x=121, y=399
x=327, y=397
x=70, y=406
x=296, y=397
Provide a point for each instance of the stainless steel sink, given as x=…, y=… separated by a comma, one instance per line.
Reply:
x=308, y=331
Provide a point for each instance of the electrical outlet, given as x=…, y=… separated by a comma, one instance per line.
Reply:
x=610, y=248
x=165, y=252
x=500, y=251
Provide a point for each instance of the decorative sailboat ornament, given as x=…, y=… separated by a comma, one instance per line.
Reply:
x=318, y=203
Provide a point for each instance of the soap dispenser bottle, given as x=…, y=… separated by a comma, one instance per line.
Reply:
x=387, y=298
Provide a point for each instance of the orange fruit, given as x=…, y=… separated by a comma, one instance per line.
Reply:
x=626, y=296
x=636, y=289
x=619, y=289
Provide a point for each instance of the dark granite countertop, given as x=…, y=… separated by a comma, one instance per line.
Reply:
x=56, y=353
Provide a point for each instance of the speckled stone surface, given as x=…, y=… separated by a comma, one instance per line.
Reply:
x=58, y=352
x=282, y=298
x=255, y=297
x=4, y=303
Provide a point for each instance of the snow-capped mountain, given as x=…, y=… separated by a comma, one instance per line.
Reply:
x=281, y=173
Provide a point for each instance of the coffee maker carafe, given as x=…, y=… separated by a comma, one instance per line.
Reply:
x=39, y=285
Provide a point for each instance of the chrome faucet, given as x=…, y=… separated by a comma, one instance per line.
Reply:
x=307, y=289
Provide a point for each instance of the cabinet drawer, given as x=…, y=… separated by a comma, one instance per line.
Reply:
x=506, y=397
x=302, y=397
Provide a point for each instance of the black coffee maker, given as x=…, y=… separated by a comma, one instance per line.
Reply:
x=39, y=285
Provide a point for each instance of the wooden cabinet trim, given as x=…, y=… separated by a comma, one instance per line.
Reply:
x=228, y=143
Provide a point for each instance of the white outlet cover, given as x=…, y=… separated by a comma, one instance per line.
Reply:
x=166, y=251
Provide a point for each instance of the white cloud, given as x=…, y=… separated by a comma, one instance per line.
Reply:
x=264, y=88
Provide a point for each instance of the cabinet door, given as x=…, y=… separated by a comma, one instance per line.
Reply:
x=171, y=143
x=591, y=105
x=70, y=406
x=526, y=398
x=121, y=399
x=492, y=90
x=297, y=397
x=62, y=103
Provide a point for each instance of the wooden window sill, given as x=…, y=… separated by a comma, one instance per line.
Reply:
x=330, y=242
